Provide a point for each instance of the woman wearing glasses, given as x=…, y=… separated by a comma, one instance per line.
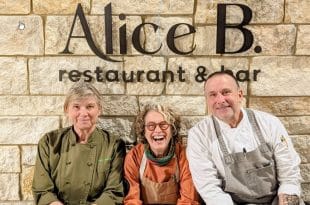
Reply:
x=156, y=169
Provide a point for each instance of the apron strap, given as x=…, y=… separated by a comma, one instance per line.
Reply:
x=227, y=157
x=143, y=165
x=257, y=130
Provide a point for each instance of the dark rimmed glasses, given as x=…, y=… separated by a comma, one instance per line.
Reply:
x=151, y=126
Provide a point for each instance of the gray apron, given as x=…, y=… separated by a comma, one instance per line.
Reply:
x=159, y=193
x=250, y=176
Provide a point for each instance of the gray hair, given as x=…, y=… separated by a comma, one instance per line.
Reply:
x=80, y=90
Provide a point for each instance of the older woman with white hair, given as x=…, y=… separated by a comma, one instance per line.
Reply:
x=80, y=164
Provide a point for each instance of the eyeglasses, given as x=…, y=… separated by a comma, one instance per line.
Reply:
x=151, y=126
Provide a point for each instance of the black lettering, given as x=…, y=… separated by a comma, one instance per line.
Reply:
x=255, y=74
x=139, y=74
x=88, y=78
x=108, y=29
x=154, y=73
x=201, y=74
x=180, y=72
x=171, y=74
x=87, y=34
x=74, y=75
x=243, y=75
x=222, y=25
x=61, y=73
x=114, y=74
x=171, y=37
x=226, y=70
x=122, y=36
x=136, y=39
x=98, y=73
x=126, y=79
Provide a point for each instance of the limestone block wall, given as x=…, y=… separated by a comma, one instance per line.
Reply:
x=33, y=33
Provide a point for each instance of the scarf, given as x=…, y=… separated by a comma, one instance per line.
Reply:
x=163, y=160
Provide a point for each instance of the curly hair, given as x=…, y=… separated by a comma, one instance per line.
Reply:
x=169, y=115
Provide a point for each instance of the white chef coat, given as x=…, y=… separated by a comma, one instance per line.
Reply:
x=206, y=159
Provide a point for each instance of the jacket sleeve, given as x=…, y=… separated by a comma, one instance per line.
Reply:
x=203, y=170
x=113, y=192
x=188, y=194
x=131, y=168
x=287, y=160
x=43, y=186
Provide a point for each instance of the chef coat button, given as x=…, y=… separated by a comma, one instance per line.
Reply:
x=89, y=163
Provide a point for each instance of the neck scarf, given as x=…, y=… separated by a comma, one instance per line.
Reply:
x=163, y=160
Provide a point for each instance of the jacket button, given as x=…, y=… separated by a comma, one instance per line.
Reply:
x=67, y=163
x=89, y=163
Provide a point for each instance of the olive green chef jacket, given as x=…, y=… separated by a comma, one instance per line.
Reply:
x=77, y=173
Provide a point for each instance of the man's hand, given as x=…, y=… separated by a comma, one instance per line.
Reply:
x=285, y=199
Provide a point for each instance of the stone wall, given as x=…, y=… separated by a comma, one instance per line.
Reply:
x=34, y=32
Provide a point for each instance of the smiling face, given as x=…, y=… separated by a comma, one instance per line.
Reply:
x=83, y=113
x=224, y=98
x=158, y=133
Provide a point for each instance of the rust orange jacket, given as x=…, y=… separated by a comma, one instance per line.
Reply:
x=187, y=192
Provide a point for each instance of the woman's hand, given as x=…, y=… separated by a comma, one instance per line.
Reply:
x=56, y=203
x=285, y=199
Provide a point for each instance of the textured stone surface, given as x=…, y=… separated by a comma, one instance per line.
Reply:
x=58, y=30
x=190, y=65
x=14, y=6
x=9, y=187
x=303, y=39
x=20, y=130
x=155, y=40
x=31, y=105
x=305, y=172
x=120, y=105
x=119, y=127
x=273, y=40
x=13, y=70
x=29, y=155
x=21, y=35
x=297, y=125
x=262, y=11
x=26, y=182
x=9, y=159
x=205, y=40
x=33, y=33
x=44, y=74
x=17, y=203
x=144, y=7
x=282, y=106
x=188, y=122
x=302, y=144
x=297, y=11
x=306, y=191
x=184, y=105
x=281, y=76
x=59, y=6
x=146, y=64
